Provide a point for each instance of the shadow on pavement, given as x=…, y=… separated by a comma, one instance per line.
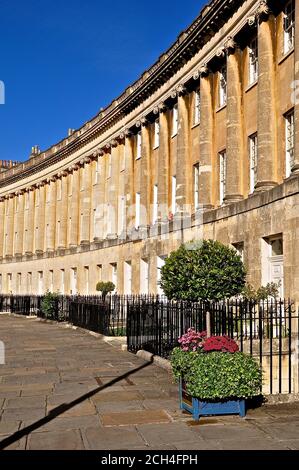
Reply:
x=59, y=410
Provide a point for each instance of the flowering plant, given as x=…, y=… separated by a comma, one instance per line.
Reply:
x=220, y=343
x=214, y=369
x=192, y=341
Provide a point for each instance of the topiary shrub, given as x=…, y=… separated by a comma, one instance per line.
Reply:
x=271, y=290
x=203, y=271
x=49, y=306
x=213, y=376
x=105, y=288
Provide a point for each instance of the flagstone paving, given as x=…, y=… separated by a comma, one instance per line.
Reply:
x=65, y=389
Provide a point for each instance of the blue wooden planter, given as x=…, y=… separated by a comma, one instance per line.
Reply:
x=200, y=408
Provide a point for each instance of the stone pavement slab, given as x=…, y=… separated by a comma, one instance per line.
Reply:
x=58, y=440
x=42, y=378
x=130, y=418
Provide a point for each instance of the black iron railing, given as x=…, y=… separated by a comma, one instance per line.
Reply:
x=105, y=316
x=267, y=330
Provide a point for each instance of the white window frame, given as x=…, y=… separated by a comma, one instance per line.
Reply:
x=289, y=27
x=127, y=277
x=73, y=281
x=173, y=195
x=51, y=280
x=290, y=142
x=86, y=280
x=155, y=204
x=157, y=134
x=196, y=185
x=138, y=145
x=239, y=248
x=253, y=156
x=222, y=176
x=175, y=120
x=62, y=281
x=114, y=274
x=137, y=210
x=144, y=276
x=253, y=61
x=197, y=108
x=223, y=86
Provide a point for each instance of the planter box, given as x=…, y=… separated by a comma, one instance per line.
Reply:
x=200, y=408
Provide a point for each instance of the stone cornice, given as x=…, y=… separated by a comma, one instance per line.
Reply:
x=186, y=46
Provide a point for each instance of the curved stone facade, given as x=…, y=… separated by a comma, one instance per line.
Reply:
x=204, y=144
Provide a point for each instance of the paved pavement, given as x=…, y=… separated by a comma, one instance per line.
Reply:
x=65, y=389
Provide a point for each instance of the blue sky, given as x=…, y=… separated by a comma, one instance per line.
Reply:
x=61, y=61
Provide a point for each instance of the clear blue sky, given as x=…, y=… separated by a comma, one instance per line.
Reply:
x=61, y=61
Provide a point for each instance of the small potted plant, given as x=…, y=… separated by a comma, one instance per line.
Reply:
x=214, y=377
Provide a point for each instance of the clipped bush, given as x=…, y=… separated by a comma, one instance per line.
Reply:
x=105, y=287
x=271, y=290
x=206, y=271
x=49, y=306
x=216, y=375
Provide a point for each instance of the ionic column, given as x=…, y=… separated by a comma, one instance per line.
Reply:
x=145, y=176
x=74, y=222
x=206, y=140
x=163, y=164
x=235, y=145
x=10, y=226
x=99, y=199
x=113, y=192
x=51, y=217
x=266, y=161
x=2, y=215
x=295, y=168
x=129, y=181
x=85, y=205
x=183, y=200
x=63, y=213
x=40, y=222
x=19, y=228
x=29, y=222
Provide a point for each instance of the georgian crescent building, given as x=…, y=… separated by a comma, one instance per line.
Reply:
x=205, y=144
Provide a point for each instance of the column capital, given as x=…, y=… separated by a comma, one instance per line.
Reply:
x=181, y=90
x=204, y=70
x=251, y=20
x=161, y=108
x=263, y=10
x=220, y=52
x=230, y=45
x=144, y=121
x=128, y=132
x=113, y=143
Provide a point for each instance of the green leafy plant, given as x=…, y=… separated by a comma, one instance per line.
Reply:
x=208, y=270
x=217, y=375
x=49, y=306
x=105, y=288
x=271, y=290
